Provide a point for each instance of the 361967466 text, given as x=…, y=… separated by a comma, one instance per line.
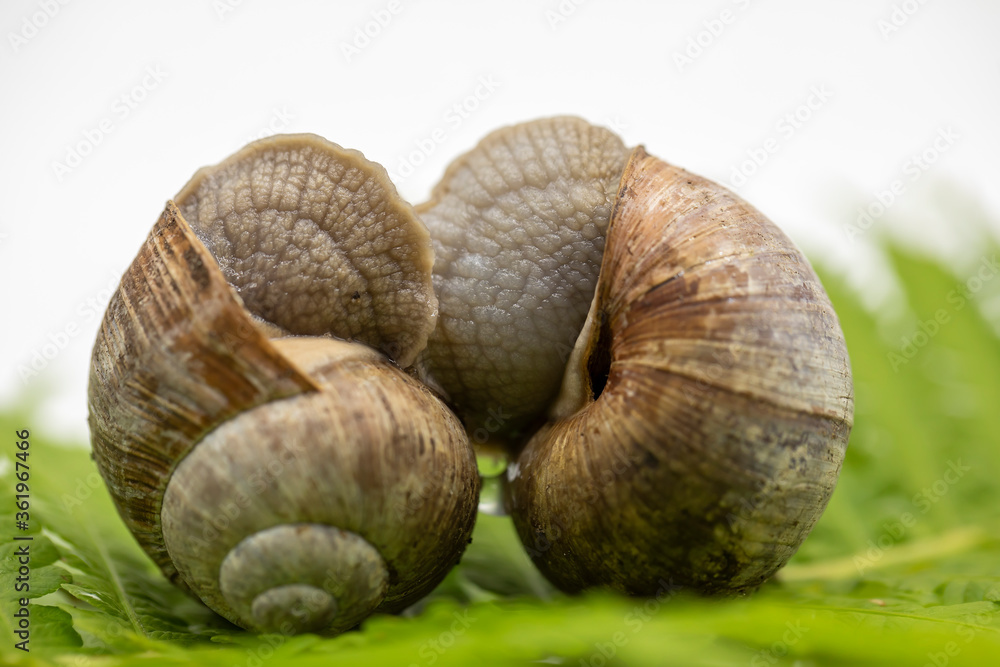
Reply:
x=22, y=554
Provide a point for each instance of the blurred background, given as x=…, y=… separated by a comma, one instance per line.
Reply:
x=844, y=123
x=867, y=130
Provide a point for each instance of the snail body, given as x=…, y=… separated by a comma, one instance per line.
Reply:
x=659, y=361
x=518, y=227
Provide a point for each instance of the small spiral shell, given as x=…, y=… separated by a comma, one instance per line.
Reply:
x=316, y=511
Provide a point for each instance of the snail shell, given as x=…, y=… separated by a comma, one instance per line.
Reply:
x=685, y=367
x=292, y=481
x=706, y=408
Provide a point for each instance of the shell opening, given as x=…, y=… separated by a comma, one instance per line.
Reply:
x=589, y=366
x=599, y=360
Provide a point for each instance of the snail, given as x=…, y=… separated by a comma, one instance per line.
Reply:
x=248, y=408
x=676, y=384
x=285, y=386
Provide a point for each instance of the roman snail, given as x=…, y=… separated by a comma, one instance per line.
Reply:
x=659, y=360
x=676, y=385
x=292, y=480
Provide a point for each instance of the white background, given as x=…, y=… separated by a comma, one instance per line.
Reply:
x=699, y=87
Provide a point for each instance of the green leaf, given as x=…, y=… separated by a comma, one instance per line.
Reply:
x=48, y=626
x=901, y=569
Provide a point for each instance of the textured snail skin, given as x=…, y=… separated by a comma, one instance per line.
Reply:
x=295, y=484
x=706, y=408
x=518, y=226
x=315, y=241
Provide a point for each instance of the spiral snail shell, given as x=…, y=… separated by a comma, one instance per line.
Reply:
x=706, y=407
x=658, y=359
x=287, y=478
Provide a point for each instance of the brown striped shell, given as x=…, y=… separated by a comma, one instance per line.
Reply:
x=293, y=481
x=705, y=410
